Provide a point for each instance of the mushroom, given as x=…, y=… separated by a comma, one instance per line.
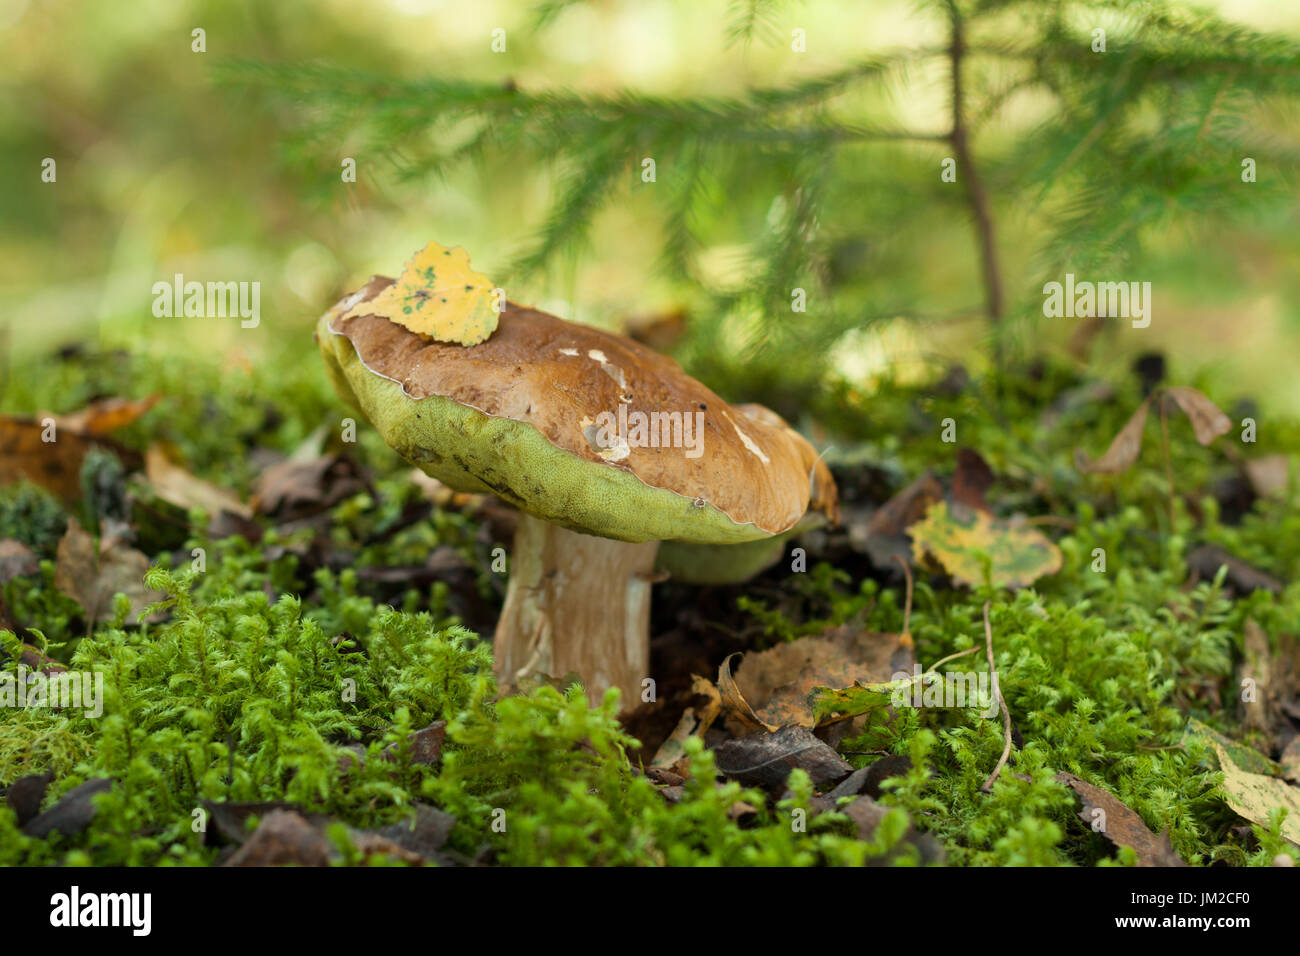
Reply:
x=709, y=564
x=606, y=448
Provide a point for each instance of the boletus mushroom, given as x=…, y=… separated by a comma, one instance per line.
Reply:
x=606, y=448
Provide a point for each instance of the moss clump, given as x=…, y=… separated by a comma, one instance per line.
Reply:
x=31, y=515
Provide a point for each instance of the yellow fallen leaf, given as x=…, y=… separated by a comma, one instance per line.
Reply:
x=440, y=296
x=1253, y=795
x=975, y=548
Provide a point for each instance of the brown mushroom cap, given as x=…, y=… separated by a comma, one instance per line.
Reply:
x=449, y=410
x=733, y=563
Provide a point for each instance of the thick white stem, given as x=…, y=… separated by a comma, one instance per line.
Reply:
x=576, y=604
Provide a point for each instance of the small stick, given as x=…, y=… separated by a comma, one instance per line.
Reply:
x=1169, y=470
x=943, y=660
x=906, y=636
x=987, y=786
x=951, y=657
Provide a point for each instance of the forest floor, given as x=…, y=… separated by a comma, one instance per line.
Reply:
x=294, y=637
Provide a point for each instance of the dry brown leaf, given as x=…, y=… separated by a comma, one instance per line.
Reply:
x=106, y=415
x=53, y=465
x=776, y=687
x=1120, y=824
x=693, y=723
x=1123, y=450
x=16, y=559
x=92, y=576
x=1207, y=420
x=177, y=486
x=296, y=488
x=733, y=701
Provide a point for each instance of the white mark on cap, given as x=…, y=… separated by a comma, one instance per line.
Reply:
x=608, y=445
x=597, y=355
x=568, y=351
x=616, y=373
x=748, y=442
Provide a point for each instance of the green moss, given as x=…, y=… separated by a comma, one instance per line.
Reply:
x=32, y=516
x=238, y=696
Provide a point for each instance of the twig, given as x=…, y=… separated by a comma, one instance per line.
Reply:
x=906, y=636
x=951, y=657
x=1164, y=443
x=987, y=786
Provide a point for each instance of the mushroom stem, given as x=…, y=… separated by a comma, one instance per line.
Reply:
x=576, y=604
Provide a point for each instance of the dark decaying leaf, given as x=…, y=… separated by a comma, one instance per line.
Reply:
x=425, y=748
x=765, y=760
x=298, y=488
x=1204, y=563
x=229, y=821
x=1208, y=422
x=424, y=834
x=72, y=814
x=1120, y=824
x=283, y=838
x=1123, y=450
x=885, y=535
x=26, y=794
x=867, y=781
x=426, y=743
x=971, y=479
x=866, y=815
x=33, y=658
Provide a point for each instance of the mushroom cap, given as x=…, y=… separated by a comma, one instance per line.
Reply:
x=734, y=563
x=520, y=416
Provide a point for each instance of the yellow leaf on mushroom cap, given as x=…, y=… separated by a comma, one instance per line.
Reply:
x=439, y=296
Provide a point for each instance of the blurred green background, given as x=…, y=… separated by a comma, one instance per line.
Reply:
x=161, y=170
